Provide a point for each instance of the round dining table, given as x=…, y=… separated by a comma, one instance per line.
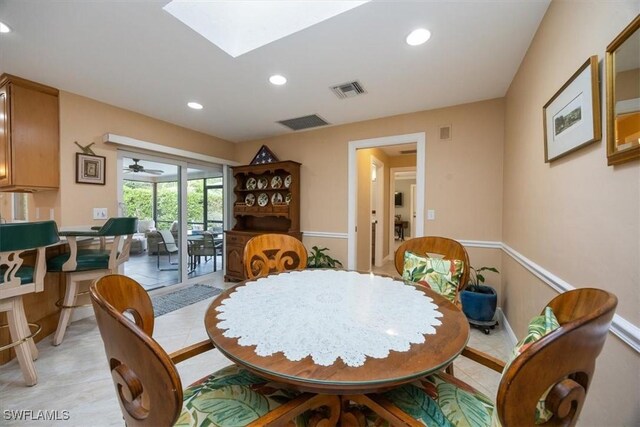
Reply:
x=335, y=331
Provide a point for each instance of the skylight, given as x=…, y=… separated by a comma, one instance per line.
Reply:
x=238, y=27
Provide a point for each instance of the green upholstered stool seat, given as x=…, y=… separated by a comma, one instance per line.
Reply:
x=18, y=279
x=25, y=273
x=234, y=397
x=439, y=400
x=87, y=259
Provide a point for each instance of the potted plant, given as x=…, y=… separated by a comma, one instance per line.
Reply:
x=318, y=259
x=479, y=301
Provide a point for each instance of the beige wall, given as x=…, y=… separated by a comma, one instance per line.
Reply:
x=463, y=176
x=86, y=120
x=576, y=217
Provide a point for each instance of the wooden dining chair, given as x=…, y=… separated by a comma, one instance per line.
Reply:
x=559, y=364
x=449, y=249
x=148, y=385
x=17, y=279
x=273, y=253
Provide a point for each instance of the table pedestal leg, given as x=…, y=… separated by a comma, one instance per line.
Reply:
x=378, y=404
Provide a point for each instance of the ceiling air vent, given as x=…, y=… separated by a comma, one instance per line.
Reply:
x=348, y=90
x=305, y=122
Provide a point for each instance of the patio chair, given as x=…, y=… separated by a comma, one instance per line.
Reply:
x=270, y=253
x=148, y=384
x=208, y=248
x=17, y=280
x=168, y=244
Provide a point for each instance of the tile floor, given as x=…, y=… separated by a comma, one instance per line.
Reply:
x=144, y=269
x=74, y=376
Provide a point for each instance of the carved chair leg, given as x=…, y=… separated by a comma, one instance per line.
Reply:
x=65, y=313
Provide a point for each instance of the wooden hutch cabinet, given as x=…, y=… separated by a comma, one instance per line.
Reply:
x=29, y=135
x=267, y=201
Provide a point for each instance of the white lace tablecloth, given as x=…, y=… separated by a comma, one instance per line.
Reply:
x=328, y=314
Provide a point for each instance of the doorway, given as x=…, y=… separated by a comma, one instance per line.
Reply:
x=355, y=179
x=377, y=211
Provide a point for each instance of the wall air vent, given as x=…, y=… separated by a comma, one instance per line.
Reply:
x=348, y=90
x=305, y=122
x=445, y=133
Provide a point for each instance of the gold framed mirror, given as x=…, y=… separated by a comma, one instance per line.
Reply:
x=622, y=60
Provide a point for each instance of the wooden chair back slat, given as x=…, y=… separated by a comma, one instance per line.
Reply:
x=146, y=380
x=563, y=360
x=273, y=253
x=450, y=249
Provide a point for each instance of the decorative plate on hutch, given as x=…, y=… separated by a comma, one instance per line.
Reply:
x=276, y=198
x=287, y=181
x=288, y=198
x=263, y=199
x=276, y=182
x=250, y=199
x=251, y=184
x=262, y=183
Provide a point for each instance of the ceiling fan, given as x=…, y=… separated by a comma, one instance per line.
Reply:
x=136, y=168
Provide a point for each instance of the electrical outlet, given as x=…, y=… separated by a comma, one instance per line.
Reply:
x=431, y=214
x=99, y=213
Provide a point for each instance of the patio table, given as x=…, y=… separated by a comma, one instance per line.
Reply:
x=335, y=331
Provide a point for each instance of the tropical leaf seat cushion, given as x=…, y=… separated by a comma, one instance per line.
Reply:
x=441, y=275
x=443, y=400
x=232, y=397
x=439, y=400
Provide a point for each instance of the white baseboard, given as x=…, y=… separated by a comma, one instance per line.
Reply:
x=507, y=327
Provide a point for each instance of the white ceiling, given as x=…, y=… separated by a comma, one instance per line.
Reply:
x=137, y=56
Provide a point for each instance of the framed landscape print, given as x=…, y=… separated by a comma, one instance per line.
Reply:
x=572, y=116
x=90, y=169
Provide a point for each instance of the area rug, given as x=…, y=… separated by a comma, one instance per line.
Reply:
x=163, y=304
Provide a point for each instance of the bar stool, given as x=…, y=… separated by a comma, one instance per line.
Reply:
x=90, y=264
x=17, y=280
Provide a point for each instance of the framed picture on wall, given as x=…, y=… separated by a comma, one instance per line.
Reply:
x=90, y=169
x=572, y=116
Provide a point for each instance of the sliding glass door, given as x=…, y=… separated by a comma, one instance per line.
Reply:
x=179, y=236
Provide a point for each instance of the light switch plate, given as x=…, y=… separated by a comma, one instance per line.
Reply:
x=431, y=214
x=99, y=213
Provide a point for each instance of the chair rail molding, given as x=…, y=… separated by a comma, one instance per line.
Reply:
x=325, y=234
x=621, y=327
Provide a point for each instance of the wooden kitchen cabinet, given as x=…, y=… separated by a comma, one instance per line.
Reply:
x=29, y=136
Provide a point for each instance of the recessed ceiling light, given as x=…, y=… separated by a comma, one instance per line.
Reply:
x=195, y=105
x=418, y=37
x=4, y=28
x=277, y=79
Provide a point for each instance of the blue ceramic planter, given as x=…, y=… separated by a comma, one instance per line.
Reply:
x=479, y=302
